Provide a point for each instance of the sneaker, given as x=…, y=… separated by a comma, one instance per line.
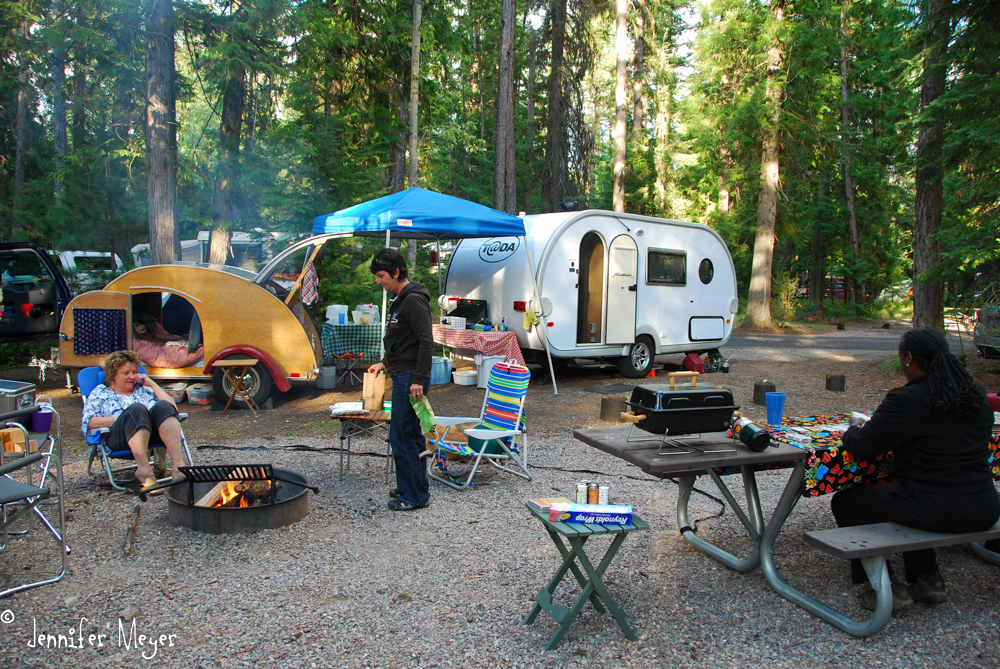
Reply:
x=901, y=600
x=928, y=589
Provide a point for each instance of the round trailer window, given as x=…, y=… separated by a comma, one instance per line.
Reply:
x=706, y=271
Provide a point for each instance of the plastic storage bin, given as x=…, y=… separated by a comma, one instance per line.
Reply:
x=484, y=369
x=440, y=371
x=177, y=390
x=200, y=393
x=464, y=377
x=336, y=313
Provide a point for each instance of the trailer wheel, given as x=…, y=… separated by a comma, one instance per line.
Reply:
x=257, y=382
x=639, y=360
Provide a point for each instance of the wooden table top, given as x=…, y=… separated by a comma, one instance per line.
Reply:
x=377, y=416
x=237, y=362
x=719, y=451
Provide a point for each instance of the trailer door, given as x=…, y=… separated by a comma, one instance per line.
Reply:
x=622, y=287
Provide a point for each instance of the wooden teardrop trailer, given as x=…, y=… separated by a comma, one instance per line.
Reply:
x=240, y=314
x=613, y=286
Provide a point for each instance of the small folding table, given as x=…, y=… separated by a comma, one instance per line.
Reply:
x=593, y=587
x=235, y=370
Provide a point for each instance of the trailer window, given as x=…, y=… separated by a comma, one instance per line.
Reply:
x=706, y=271
x=667, y=268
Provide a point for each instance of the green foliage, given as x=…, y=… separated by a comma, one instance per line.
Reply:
x=891, y=366
x=783, y=303
x=19, y=354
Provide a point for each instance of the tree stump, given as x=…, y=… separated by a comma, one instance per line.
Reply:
x=612, y=408
x=836, y=382
x=760, y=391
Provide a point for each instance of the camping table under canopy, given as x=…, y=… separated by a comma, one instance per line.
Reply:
x=417, y=213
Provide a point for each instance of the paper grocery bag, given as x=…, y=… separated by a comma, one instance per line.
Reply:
x=373, y=390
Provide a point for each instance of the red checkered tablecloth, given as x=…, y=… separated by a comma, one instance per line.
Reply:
x=487, y=343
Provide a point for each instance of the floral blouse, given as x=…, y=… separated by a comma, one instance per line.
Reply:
x=106, y=403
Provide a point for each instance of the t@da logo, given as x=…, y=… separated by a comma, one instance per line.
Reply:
x=498, y=249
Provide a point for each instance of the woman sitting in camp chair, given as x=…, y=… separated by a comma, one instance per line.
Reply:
x=138, y=412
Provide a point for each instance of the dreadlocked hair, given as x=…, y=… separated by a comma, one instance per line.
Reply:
x=953, y=392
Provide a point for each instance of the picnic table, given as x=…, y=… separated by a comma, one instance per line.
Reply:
x=341, y=338
x=817, y=468
x=487, y=343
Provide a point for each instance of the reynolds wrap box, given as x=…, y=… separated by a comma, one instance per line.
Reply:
x=593, y=514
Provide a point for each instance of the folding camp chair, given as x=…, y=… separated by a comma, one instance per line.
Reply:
x=87, y=380
x=495, y=437
x=28, y=496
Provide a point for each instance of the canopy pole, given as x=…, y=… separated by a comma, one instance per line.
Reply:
x=437, y=238
x=545, y=327
x=382, y=338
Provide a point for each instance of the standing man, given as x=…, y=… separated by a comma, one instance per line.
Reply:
x=409, y=347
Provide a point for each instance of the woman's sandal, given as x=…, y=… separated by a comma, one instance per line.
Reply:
x=401, y=505
x=394, y=493
x=148, y=483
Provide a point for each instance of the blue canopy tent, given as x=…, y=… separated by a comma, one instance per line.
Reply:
x=417, y=213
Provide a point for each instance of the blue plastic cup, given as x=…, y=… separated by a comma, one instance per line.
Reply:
x=775, y=408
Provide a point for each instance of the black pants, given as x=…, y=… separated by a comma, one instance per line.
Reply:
x=138, y=417
x=897, y=502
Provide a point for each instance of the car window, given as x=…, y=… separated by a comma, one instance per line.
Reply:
x=23, y=267
x=94, y=262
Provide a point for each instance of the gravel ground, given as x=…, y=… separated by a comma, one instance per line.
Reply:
x=354, y=584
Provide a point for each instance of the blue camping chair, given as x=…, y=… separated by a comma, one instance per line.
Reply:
x=87, y=380
x=500, y=436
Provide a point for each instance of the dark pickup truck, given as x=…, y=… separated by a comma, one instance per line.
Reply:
x=35, y=294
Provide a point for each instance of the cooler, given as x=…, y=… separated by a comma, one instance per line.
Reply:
x=16, y=395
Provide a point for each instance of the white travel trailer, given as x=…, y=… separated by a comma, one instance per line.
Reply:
x=613, y=286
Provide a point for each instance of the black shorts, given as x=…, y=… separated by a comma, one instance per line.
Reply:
x=138, y=417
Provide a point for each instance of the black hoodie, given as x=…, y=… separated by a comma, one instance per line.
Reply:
x=409, y=340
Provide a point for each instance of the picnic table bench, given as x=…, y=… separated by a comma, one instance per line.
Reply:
x=870, y=544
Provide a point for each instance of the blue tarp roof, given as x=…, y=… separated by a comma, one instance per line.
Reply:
x=417, y=213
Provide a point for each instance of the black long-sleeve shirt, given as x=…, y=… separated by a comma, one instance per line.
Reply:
x=933, y=453
x=409, y=339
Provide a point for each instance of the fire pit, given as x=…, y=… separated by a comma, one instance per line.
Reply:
x=233, y=499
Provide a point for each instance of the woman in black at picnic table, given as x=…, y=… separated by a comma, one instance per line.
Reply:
x=938, y=428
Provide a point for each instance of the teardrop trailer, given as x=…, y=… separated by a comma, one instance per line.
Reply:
x=222, y=312
x=613, y=286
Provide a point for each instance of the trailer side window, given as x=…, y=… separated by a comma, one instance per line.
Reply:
x=667, y=268
x=706, y=271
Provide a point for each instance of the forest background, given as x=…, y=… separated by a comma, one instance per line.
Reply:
x=846, y=138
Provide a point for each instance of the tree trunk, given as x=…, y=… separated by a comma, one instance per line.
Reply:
x=527, y=181
x=928, y=298
x=663, y=98
x=414, y=92
x=556, y=149
x=638, y=99
x=504, y=180
x=817, y=277
x=845, y=132
x=20, y=130
x=161, y=133
x=397, y=155
x=230, y=131
x=58, y=103
x=759, y=298
x=411, y=253
x=621, y=104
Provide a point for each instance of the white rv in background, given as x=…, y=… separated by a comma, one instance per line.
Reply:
x=613, y=286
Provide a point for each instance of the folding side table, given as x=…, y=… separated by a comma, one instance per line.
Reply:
x=593, y=587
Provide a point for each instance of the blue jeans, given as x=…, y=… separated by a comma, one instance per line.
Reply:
x=407, y=443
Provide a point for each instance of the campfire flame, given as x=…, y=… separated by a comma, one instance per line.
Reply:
x=232, y=489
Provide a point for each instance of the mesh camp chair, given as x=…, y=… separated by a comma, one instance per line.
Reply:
x=20, y=499
x=499, y=437
x=87, y=380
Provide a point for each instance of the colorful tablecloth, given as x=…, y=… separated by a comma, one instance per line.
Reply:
x=830, y=468
x=487, y=343
x=364, y=338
